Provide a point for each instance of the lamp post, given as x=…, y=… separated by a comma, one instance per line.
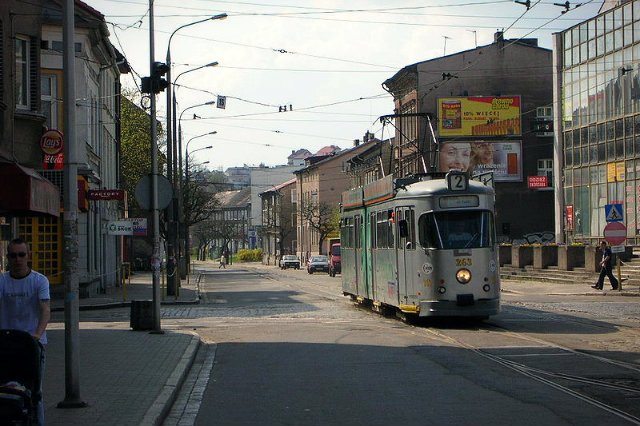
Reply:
x=182, y=232
x=177, y=181
x=172, y=277
x=186, y=196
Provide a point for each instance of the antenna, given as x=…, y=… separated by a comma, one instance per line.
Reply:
x=444, y=53
x=525, y=3
x=475, y=36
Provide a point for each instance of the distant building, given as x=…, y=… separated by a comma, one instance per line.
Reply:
x=297, y=157
x=279, y=221
x=262, y=179
x=232, y=220
x=319, y=188
x=239, y=176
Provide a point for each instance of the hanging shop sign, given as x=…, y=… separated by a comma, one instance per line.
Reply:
x=105, y=194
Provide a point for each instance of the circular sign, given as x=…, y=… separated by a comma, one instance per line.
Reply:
x=51, y=142
x=143, y=192
x=615, y=233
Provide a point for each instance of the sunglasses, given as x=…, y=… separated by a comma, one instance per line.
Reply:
x=15, y=255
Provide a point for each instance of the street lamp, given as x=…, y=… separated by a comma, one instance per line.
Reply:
x=172, y=282
x=186, y=195
x=177, y=177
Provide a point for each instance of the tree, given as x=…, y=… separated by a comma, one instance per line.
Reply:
x=135, y=148
x=322, y=217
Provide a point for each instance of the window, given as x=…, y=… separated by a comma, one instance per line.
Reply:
x=545, y=168
x=49, y=104
x=22, y=72
x=455, y=230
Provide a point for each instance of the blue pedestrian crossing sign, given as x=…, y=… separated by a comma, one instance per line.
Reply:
x=613, y=212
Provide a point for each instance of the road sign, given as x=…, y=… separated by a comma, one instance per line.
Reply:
x=615, y=233
x=613, y=212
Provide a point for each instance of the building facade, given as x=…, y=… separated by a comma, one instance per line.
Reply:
x=30, y=198
x=480, y=111
x=279, y=220
x=319, y=188
x=97, y=72
x=597, y=89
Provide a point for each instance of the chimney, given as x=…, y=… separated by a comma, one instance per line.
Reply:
x=356, y=142
x=498, y=37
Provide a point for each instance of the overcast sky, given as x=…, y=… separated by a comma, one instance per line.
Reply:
x=326, y=59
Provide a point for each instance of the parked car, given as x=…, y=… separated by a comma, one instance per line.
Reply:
x=318, y=263
x=290, y=261
x=335, y=266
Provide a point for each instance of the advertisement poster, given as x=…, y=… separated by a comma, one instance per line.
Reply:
x=502, y=158
x=479, y=116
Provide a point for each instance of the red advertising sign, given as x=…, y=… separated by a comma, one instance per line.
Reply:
x=538, y=182
x=51, y=142
x=569, y=212
x=106, y=194
x=53, y=162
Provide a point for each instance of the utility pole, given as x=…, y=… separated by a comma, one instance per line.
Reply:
x=70, y=219
x=155, y=256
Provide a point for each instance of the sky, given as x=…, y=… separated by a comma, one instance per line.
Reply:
x=324, y=60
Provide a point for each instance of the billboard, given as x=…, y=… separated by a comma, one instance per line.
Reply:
x=479, y=116
x=503, y=158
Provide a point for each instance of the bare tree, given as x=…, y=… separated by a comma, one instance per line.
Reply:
x=322, y=217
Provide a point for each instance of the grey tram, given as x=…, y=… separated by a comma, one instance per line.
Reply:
x=423, y=246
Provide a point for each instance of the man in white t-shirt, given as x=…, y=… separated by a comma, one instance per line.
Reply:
x=24, y=300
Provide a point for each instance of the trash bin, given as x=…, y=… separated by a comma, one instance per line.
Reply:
x=141, y=315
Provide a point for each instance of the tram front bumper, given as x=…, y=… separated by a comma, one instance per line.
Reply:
x=462, y=307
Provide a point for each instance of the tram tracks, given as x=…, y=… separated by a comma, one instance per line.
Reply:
x=606, y=393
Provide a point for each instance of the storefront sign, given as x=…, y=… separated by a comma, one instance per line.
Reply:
x=479, y=116
x=106, y=194
x=53, y=162
x=537, y=182
x=52, y=142
x=120, y=227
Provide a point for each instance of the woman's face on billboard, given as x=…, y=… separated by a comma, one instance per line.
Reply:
x=455, y=156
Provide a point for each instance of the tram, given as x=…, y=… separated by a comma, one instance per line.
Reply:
x=423, y=246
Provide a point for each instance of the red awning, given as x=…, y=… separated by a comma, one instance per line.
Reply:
x=24, y=192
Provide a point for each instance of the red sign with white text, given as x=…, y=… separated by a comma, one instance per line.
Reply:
x=538, y=182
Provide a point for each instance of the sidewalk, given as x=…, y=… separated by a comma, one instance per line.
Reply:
x=125, y=377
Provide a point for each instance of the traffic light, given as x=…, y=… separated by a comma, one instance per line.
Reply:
x=155, y=83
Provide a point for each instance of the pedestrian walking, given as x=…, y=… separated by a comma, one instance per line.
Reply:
x=24, y=301
x=606, y=268
x=223, y=261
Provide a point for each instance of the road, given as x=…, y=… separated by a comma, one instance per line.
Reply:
x=286, y=348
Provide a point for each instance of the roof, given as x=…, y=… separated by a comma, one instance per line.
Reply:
x=280, y=186
x=234, y=199
x=327, y=150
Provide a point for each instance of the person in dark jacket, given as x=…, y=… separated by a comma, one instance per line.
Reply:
x=606, y=268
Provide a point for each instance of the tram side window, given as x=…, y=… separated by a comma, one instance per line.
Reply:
x=384, y=229
x=347, y=232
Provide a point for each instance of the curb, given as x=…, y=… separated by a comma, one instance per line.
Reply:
x=161, y=407
x=112, y=305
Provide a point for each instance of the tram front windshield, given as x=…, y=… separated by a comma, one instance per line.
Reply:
x=456, y=230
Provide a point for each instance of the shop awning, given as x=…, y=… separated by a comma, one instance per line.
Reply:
x=24, y=192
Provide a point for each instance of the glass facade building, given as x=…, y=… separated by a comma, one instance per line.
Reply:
x=598, y=90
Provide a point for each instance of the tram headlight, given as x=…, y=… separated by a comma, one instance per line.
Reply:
x=463, y=276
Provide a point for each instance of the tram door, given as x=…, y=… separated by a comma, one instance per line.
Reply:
x=357, y=251
x=406, y=247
